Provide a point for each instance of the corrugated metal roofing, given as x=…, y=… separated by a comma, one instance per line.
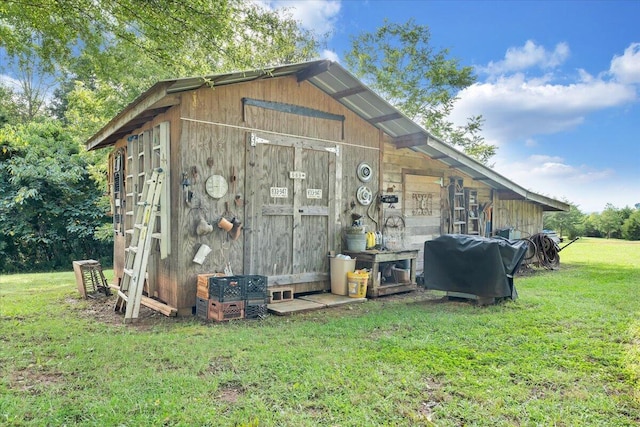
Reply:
x=337, y=82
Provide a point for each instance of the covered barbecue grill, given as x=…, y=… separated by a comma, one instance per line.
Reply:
x=473, y=266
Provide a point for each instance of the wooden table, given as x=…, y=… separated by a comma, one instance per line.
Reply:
x=373, y=258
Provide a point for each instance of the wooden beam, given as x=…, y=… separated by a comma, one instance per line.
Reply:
x=313, y=71
x=385, y=118
x=348, y=92
x=135, y=123
x=411, y=140
x=291, y=279
x=155, y=305
x=292, y=109
x=509, y=195
x=168, y=101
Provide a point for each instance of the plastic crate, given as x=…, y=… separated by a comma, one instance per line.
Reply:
x=255, y=310
x=202, y=290
x=256, y=287
x=222, y=311
x=228, y=288
x=202, y=308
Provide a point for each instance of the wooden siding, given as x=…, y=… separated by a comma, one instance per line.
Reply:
x=214, y=141
x=522, y=216
x=162, y=273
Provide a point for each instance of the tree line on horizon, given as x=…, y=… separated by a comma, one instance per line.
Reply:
x=611, y=223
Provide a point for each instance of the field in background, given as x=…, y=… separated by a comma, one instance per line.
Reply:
x=566, y=353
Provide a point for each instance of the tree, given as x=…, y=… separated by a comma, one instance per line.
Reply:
x=591, y=223
x=610, y=221
x=570, y=223
x=49, y=205
x=631, y=226
x=398, y=62
x=179, y=37
x=119, y=48
x=9, y=113
x=34, y=86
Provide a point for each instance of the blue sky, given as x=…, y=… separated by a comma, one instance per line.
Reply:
x=557, y=83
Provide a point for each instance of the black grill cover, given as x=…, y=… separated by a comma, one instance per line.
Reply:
x=473, y=265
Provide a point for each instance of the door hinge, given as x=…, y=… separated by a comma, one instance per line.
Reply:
x=255, y=140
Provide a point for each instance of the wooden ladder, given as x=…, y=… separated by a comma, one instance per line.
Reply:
x=137, y=254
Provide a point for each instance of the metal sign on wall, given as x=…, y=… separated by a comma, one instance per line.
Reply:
x=314, y=193
x=279, y=192
x=297, y=175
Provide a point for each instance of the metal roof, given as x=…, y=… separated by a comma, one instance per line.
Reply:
x=334, y=80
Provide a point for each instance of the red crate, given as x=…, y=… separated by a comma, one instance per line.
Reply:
x=221, y=311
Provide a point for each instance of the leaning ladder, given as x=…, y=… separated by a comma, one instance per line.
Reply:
x=137, y=254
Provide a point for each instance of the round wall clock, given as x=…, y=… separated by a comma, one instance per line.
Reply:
x=216, y=186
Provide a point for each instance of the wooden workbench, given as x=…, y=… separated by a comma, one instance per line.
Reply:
x=373, y=258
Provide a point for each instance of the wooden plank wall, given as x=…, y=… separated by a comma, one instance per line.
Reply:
x=161, y=272
x=422, y=220
x=208, y=147
x=521, y=215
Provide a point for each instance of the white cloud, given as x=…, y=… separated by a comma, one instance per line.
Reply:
x=319, y=16
x=330, y=55
x=10, y=82
x=528, y=56
x=553, y=176
x=518, y=106
x=515, y=107
x=626, y=68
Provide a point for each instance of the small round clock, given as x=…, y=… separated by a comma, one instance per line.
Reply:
x=216, y=186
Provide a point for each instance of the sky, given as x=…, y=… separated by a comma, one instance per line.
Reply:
x=557, y=83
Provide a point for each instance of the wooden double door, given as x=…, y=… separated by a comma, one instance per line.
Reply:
x=290, y=212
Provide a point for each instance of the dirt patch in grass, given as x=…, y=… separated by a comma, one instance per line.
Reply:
x=33, y=380
x=218, y=365
x=101, y=309
x=230, y=392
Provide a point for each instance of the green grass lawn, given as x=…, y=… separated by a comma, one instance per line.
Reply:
x=566, y=353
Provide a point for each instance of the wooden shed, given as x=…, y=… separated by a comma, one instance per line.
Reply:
x=291, y=154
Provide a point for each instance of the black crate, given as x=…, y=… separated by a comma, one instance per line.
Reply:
x=256, y=287
x=257, y=310
x=202, y=308
x=228, y=288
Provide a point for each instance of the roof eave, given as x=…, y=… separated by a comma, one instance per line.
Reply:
x=480, y=172
x=153, y=100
